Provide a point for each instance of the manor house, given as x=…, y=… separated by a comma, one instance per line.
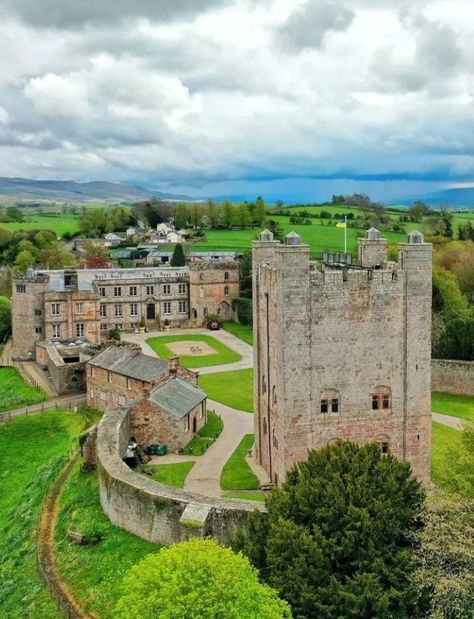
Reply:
x=65, y=305
x=342, y=350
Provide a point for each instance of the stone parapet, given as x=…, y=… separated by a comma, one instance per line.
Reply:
x=157, y=513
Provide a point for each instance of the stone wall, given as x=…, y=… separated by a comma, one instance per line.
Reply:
x=452, y=376
x=157, y=513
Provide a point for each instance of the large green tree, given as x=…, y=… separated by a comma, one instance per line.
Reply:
x=339, y=535
x=197, y=579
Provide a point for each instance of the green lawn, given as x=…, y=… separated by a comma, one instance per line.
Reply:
x=244, y=332
x=94, y=573
x=222, y=355
x=234, y=389
x=15, y=392
x=32, y=452
x=58, y=223
x=455, y=405
x=206, y=435
x=236, y=474
x=256, y=495
x=451, y=467
x=169, y=474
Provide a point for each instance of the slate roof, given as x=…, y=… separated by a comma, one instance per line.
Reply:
x=177, y=397
x=130, y=363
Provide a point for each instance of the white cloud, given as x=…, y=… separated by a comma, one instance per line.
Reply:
x=224, y=91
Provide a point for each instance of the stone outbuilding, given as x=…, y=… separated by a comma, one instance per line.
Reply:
x=171, y=414
x=167, y=405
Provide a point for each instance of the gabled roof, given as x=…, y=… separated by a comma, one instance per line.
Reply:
x=177, y=397
x=131, y=363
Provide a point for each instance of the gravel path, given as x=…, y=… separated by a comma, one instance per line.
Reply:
x=447, y=420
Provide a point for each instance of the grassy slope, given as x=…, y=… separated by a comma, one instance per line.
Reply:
x=236, y=474
x=222, y=355
x=94, y=573
x=450, y=467
x=243, y=332
x=455, y=405
x=32, y=451
x=15, y=392
x=170, y=474
x=233, y=389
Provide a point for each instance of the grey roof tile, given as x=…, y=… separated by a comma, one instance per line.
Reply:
x=177, y=396
x=130, y=363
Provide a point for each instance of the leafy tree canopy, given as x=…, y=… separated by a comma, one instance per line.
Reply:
x=339, y=536
x=197, y=579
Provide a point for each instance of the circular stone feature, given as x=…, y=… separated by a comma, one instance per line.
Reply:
x=191, y=348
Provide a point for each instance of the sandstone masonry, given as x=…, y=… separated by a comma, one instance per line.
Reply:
x=452, y=376
x=343, y=351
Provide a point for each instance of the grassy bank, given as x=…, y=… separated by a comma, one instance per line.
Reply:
x=456, y=405
x=451, y=465
x=233, y=389
x=236, y=474
x=222, y=354
x=243, y=332
x=15, y=392
x=32, y=452
x=94, y=573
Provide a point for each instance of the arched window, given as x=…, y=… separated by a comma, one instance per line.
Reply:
x=384, y=441
x=264, y=425
x=226, y=290
x=264, y=385
x=274, y=395
x=226, y=276
x=201, y=292
x=381, y=398
x=201, y=277
x=330, y=401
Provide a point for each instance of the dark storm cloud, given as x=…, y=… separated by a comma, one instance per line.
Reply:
x=76, y=13
x=307, y=26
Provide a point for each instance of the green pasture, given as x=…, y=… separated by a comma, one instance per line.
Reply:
x=234, y=389
x=32, y=452
x=169, y=474
x=243, y=332
x=456, y=405
x=15, y=392
x=222, y=355
x=59, y=223
x=452, y=466
x=237, y=474
x=94, y=573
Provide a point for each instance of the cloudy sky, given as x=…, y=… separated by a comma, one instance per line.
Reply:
x=288, y=98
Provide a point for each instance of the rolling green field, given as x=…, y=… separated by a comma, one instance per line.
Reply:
x=169, y=474
x=59, y=224
x=94, y=573
x=15, y=392
x=236, y=474
x=32, y=452
x=243, y=332
x=456, y=405
x=234, y=389
x=222, y=355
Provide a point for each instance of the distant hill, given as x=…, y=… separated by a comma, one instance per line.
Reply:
x=459, y=196
x=24, y=190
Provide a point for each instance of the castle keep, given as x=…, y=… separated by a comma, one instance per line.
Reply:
x=342, y=350
x=65, y=305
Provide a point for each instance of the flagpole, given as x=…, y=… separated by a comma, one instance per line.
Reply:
x=345, y=234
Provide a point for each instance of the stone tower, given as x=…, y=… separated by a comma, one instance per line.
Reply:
x=342, y=351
